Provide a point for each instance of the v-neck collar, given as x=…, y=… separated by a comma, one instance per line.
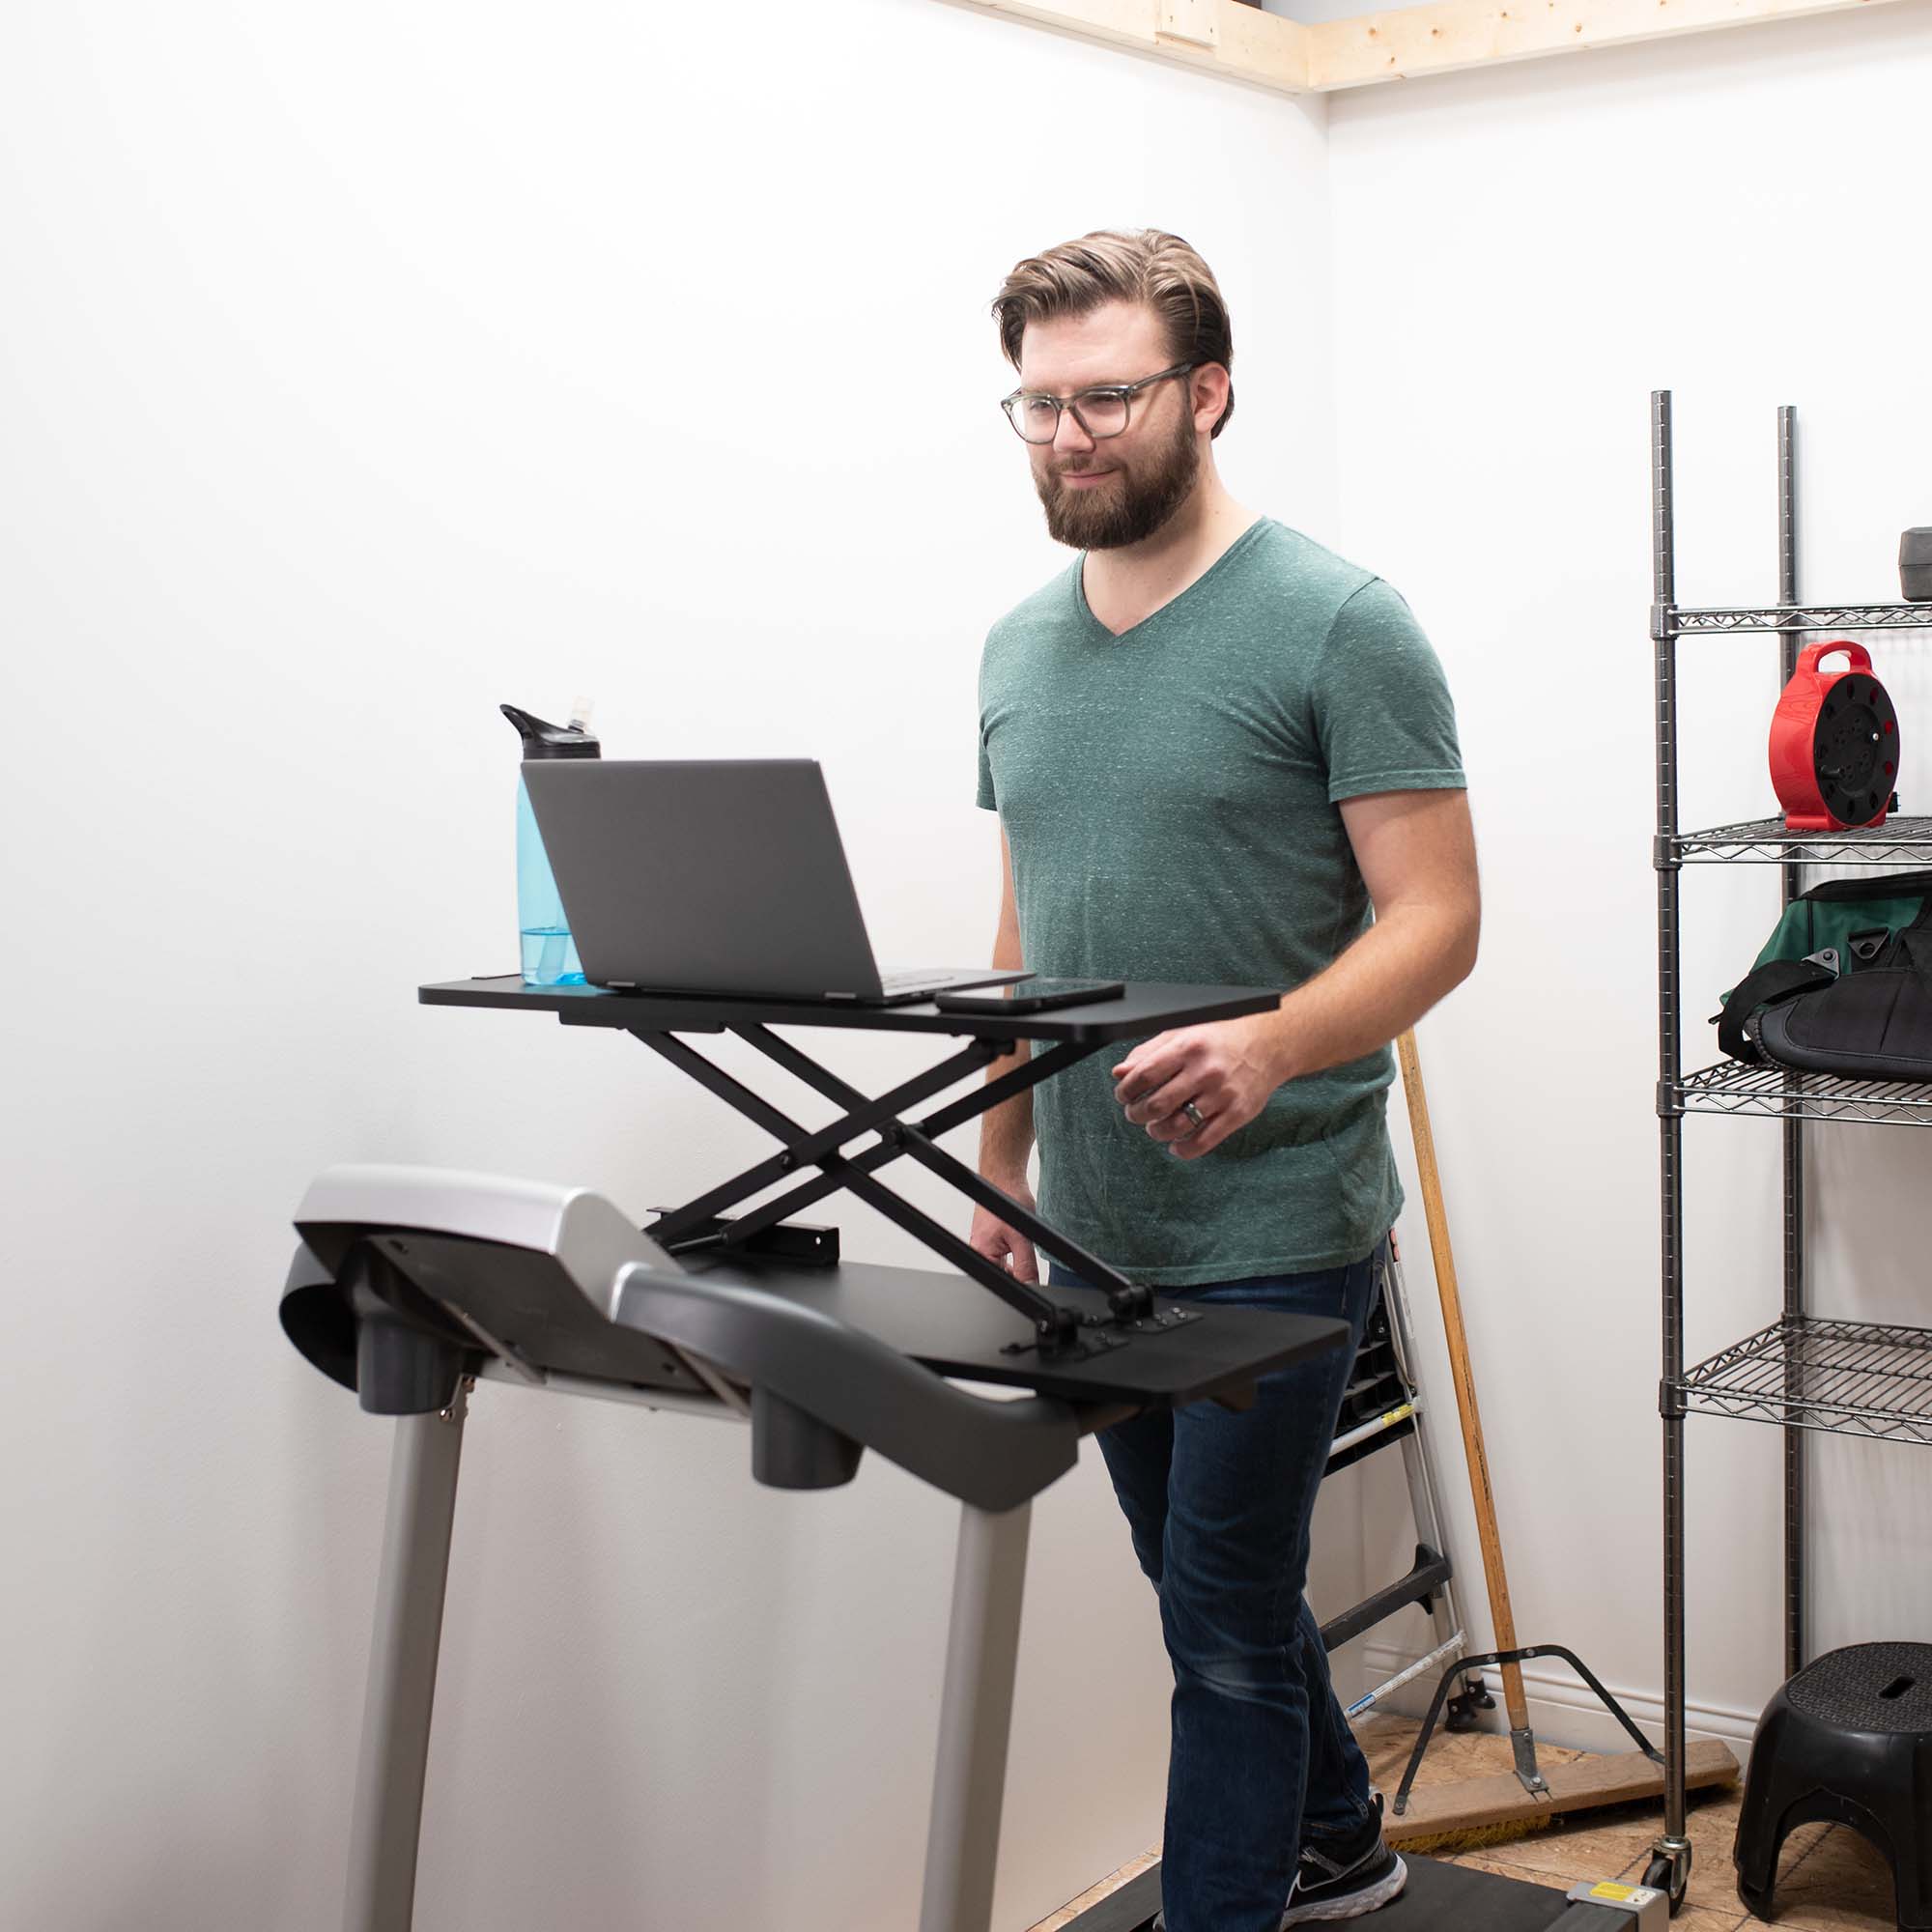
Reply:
x=1078, y=577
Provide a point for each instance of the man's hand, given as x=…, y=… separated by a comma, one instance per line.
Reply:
x=1227, y=1068
x=1000, y=1244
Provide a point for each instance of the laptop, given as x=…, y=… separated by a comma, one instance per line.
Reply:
x=715, y=875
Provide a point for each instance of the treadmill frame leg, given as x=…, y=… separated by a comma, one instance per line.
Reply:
x=974, y=1720
x=387, y=1820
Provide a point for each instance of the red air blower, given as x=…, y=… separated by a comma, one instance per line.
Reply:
x=1833, y=744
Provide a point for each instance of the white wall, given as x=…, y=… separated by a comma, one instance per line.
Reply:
x=362, y=368
x=1522, y=257
x=359, y=371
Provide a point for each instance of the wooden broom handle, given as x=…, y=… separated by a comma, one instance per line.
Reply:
x=1460, y=1367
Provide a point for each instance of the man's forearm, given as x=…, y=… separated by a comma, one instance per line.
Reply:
x=1005, y=1131
x=1379, y=987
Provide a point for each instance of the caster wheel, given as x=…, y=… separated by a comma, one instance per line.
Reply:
x=1665, y=1875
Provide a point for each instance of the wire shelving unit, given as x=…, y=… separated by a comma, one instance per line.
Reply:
x=1803, y=1374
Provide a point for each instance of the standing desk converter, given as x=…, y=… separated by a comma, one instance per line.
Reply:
x=1120, y=1344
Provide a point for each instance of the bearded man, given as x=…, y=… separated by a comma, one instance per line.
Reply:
x=1219, y=754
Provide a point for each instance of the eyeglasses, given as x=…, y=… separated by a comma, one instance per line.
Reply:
x=1102, y=412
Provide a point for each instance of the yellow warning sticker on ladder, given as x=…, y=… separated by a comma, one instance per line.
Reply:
x=1609, y=1890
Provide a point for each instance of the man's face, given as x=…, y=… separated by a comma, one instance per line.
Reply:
x=1121, y=488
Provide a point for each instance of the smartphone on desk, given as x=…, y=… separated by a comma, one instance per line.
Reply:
x=1028, y=996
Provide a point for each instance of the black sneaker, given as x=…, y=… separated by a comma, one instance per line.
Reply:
x=1346, y=1881
x=1332, y=1885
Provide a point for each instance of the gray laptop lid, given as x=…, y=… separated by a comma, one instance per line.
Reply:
x=716, y=875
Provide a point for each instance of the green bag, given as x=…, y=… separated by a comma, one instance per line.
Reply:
x=1844, y=985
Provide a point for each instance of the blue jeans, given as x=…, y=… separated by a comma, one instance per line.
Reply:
x=1218, y=1504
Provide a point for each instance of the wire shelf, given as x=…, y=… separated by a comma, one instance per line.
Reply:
x=1679, y=622
x=1839, y=1377
x=1778, y=1093
x=1898, y=841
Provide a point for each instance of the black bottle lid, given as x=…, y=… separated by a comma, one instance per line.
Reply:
x=544, y=740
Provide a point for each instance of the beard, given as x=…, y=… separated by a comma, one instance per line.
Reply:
x=1129, y=511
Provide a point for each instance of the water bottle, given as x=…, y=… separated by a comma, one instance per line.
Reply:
x=549, y=952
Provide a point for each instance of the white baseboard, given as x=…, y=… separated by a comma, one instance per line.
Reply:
x=1561, y=1707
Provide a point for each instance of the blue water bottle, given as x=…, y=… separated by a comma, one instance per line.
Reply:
x=550, y=954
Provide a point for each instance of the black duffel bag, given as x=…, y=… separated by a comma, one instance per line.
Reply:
x=1844, y=986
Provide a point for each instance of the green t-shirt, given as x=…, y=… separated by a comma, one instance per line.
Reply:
x=1168, y=797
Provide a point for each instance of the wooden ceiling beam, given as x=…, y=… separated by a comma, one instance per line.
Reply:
x=1219, y=37
x=1452, y=35
x=1241, y=42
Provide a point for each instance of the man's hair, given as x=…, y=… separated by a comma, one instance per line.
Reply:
x=1144, y=266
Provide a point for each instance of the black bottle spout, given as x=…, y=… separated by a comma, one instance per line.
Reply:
x=545, y=740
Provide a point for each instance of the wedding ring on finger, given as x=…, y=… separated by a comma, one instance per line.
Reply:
x=1194, y=1114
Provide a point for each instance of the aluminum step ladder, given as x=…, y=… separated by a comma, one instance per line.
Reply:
x=1382, y=1409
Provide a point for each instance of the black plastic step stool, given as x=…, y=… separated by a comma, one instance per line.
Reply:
x=1848, y=1741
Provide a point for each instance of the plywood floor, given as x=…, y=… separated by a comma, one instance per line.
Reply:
x=1829, y=1879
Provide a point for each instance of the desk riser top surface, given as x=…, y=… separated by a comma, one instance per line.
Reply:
x=1145, y=1008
